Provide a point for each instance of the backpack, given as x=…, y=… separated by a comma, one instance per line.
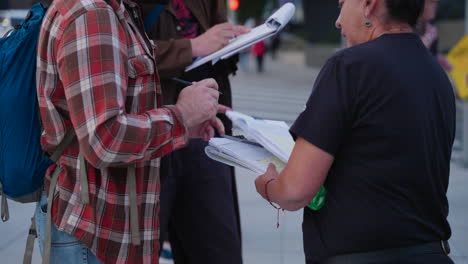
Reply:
x=22, y=163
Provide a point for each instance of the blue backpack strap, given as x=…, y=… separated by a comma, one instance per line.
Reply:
x=153, y=16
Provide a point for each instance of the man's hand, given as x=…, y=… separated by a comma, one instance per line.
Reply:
x=206, y=130
x=216, y=38
x=199, y=102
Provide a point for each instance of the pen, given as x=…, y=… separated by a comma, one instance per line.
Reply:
x=242, y=139
x=187, y=83
x=184, y=82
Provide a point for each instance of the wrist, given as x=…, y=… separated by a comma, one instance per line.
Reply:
x=267, y=197
x=179, y=123
x=268, y=194
x=185, y=116
x=195, y=47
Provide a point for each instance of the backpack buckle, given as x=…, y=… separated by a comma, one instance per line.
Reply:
x=5, y=213
x=445, y=247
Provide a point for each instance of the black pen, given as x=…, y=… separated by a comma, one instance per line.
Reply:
x=187, y=83
x=184, y=82
x=241, y=139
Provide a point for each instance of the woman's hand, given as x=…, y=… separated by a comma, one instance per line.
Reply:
x=299, y=182
x=261, y=180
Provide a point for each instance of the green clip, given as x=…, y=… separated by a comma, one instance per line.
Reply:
x=319, y=200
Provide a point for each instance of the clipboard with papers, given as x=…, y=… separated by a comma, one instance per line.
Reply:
x=273, y=25
x=275, y=144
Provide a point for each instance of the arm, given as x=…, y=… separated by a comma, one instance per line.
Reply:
x=300, y=181
x=173, y=56
x=92, y=63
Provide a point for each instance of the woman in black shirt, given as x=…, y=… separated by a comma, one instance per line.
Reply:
x=377, y=132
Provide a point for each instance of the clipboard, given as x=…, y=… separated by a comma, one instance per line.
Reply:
x=272, y=26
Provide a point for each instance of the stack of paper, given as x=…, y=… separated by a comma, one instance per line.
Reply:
x=272, y=135
x=242, y=155
x=274, y=24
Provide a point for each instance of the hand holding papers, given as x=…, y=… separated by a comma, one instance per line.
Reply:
x=274, y=24
x=277, y=145
x=273, y=136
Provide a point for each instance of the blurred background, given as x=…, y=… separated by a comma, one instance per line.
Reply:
x=279, y=92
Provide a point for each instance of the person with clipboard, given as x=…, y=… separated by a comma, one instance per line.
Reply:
x=199, y=197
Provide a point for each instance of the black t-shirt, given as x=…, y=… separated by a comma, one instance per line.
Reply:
x=386, y=111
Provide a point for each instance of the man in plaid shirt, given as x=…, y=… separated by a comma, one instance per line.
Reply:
x=96, y=74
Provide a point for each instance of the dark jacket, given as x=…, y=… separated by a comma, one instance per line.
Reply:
x=174, y=54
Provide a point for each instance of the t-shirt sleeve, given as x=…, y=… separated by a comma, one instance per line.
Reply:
x=327, y=118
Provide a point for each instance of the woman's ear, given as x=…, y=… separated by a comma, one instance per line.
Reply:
x=370, y=7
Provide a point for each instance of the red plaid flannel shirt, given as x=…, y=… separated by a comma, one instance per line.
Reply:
x=96, y=74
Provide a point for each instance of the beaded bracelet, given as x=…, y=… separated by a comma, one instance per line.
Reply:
x=274, y=206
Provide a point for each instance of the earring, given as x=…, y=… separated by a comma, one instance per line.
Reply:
x=368, y=23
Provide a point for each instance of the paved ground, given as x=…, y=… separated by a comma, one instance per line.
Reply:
x=280, y=93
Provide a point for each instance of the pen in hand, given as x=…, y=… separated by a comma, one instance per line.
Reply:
x=187, y=83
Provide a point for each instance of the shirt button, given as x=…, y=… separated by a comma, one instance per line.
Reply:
x=178, y=28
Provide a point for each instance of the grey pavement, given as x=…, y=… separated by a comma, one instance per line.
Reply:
x=280, y=93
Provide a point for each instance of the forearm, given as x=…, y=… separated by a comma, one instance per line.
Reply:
x=173, y=56
x=126, y=139
x=289, y=195
x=300, y=181
x=99, y=88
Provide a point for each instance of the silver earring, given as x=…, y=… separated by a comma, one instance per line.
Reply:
x=368, y=23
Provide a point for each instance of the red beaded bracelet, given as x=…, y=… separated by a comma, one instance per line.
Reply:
x=274, y=206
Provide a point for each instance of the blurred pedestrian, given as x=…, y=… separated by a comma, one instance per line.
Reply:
x=97, y=77
x=378, y=134
x=275, y=45
x=429, y=33
x=244, y=55
x=259, y=50
x=199, y=204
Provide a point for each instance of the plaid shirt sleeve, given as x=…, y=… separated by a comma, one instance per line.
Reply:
x=105, y=88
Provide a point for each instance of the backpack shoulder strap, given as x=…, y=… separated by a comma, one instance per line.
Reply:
x=153, y=17
x=61, y=147
x=28, y=252
x=5, y=214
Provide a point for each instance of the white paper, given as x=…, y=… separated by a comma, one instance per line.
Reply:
x=272, y=135
x=243, y=155
x=272, y=26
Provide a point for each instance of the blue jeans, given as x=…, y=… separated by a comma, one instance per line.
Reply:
x=65, y=248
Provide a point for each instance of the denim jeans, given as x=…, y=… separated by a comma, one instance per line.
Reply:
x=65, y=248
